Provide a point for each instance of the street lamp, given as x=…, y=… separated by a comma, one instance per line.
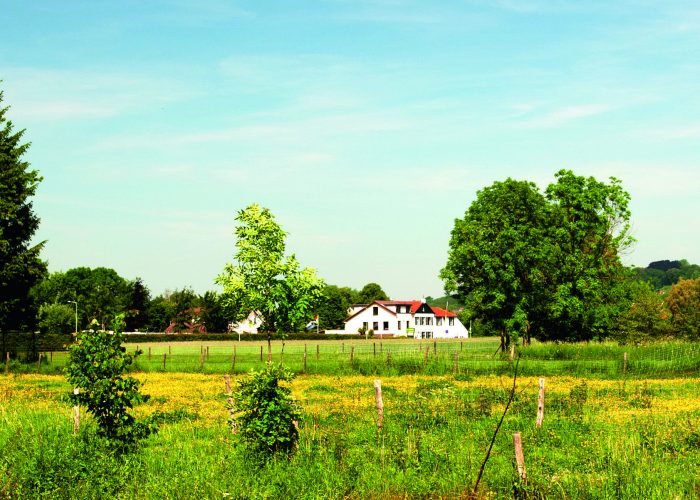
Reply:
x=76, y=314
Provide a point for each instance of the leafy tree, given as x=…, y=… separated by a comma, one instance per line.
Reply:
x=160, y=312
x=646, y=317
x=97, y=366
x=137, y=307
x=684, y=304
x=214, y=314
x=264, y=280
x=333, y=306
x=545, y=265
x=496, y=254
x=371, y=292
x=588, y=230
x=100, y=292
x=265, y=412
x=20, y=265
x=56, y=318
x=188, y=308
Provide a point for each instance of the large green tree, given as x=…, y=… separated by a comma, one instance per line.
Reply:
x=371, y=292
x=544, y=264
x=684, y=302
x=139, y=298
x=334, y=305
x=100, y=292
x=263, y=279
x=495, y=257
x=588, y=229
x=20, y=265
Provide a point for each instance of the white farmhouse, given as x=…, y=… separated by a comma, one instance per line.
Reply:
x=404, y=318
x=249, y=325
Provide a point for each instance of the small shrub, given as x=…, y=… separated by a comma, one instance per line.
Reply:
x=97, y=366
x=265, y=412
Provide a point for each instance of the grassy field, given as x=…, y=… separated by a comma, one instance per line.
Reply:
x=404, y=357
x=614, y=434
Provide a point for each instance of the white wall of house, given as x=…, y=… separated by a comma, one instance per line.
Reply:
x=376, y=317
x=386, y=319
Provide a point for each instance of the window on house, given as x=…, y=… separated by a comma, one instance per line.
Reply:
x=375, y=326
x=408, y=324
x=438, y=321
x=399, y=325
x=385, y=325
x=429, y=322
x=375, y=311
x=452, y=321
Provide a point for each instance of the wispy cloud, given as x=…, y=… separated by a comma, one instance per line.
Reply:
x=566, y=114
x=688, y=131
x=46, y=94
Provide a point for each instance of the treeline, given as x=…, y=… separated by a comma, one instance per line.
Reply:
x=664, y=273
x=83, y=296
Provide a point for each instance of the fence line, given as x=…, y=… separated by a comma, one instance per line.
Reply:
x=396, y=357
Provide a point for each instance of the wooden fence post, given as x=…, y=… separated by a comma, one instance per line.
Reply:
x=233, y=360
x=318, y=352
x=149, y=354
x=261, y=347
x=51, y=357
x=7, y=362
x=207, y=353
x=165, y=357
x=342, y=345
x=624, y=363
x=461, y=345
x=540, y=405
x=170, y=349
x=76, y=413
x=425, y=358
x=456, y=363
x=352, y=354
x=304, y=358
x=201, y=359
x=380, y=403
x=374, y=346
x=38, y=363
x=512, y=352
x=434, y=346
x=519, y=458
x=231, y=412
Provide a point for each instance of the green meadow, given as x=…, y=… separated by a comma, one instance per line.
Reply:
x=611, y=429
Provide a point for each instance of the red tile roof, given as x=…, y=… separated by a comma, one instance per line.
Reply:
x=442, y=312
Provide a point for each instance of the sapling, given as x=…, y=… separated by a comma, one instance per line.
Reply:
x=98, y=364
x=265, y=413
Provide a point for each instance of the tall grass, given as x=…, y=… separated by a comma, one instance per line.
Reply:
x=600, y=439
x=400, y=357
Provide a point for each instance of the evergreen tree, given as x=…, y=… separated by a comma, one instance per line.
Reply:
x=20, y=265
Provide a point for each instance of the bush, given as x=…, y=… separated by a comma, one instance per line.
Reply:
x=140, y=338
x=97, y=365
x=266, y=415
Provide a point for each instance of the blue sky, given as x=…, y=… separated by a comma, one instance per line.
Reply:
x=365, y=126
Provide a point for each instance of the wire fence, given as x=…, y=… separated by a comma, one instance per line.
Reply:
x=393, y=357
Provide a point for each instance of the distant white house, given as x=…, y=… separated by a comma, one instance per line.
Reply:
x=404, y=318
x=249, y=325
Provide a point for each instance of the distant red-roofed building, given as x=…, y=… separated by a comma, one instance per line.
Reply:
x=403, y=318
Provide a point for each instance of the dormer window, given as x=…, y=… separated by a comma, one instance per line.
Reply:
x=375, y=311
